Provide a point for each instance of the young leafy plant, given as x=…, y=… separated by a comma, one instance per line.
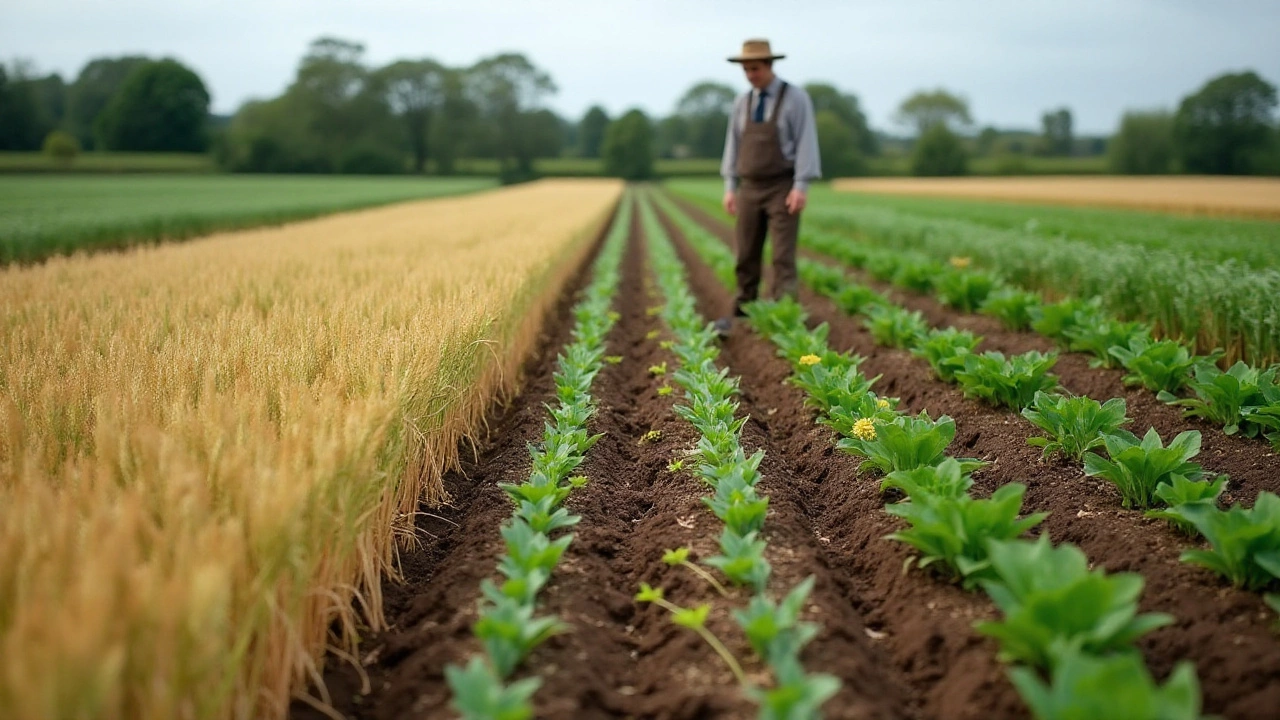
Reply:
x=906, y=443
x=1074, y=424
x=945, y=350
x=895, y=326
x=965, y=289
x=1098, y=338
x=509, y=630
x=478, y=694
x=1158, y=365
x=1244, y=544
x=955, y=532
x=1011, y=306
x=946, y=480
x=1138, y=467
x=1084, y=686
x=695, y=619
x=1056, y=320
x=1180, y=491
x=1221, y=397
x=855, y=299
x=1012, y=382
x=1051, y=600
x=741, y=559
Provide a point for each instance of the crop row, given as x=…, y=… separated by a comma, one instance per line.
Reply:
x=1227, y=304
x=1242, y=399
x=1068, y=630
x=773, y=628
x=508, y=627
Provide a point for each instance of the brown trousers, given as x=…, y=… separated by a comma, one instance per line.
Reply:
x=762, y=208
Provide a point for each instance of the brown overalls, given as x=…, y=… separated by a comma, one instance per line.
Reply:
x=765, y=179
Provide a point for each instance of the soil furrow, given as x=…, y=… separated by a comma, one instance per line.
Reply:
x=921, y=627
x=1226, y=632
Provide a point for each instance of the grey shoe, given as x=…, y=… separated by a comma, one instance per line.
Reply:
x=723, y=326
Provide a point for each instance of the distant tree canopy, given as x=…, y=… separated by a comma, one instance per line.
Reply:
x=939, y=152
x=591, y=131
x=1227, y=126
x=705, y=109
x=162, y=106
x=847, y=110
x=928, y=109
x=88, y=96
x=628, y=147
x=341, y=115
x=1143, y=145
x=1057, y=138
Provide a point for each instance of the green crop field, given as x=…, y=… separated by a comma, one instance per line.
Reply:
x=44, y=215
x=1213, y=282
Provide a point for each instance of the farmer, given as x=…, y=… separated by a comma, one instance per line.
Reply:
x=770, y=157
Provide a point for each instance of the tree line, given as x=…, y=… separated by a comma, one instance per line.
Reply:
x=342, y=114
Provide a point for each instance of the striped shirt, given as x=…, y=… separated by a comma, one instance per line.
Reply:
x=796, y=131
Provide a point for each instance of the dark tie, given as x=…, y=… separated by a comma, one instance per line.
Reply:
x=759, y=117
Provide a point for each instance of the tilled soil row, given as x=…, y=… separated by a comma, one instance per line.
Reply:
x=926, y=622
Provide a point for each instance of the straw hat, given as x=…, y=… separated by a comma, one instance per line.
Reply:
x=756, y=49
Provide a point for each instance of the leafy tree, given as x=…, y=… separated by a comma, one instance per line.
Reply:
x=1227, y=126
x=1143, y=145
x=939, y=152
x=837, y=147
x=846, y=108
x=333, y=95
x=457, y=116
x=1057, y=137
x=928, y=109
x=23, y=123
x=506, y=89
x=628, y=147
x=591, y=131
x=705, y=108
x=414, y=91
x=987, y=140
x=88, y=96
x=673, y=137
x=162, y=106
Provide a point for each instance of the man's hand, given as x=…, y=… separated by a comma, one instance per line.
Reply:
x=731, y=203
x=795, y=201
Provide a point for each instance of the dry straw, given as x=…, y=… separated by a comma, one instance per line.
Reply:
x=205, y=448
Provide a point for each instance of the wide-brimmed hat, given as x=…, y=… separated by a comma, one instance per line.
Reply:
x=756, y=49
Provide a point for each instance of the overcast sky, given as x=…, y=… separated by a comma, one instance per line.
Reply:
x=1011, y=58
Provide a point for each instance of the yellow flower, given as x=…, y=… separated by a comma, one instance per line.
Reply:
x=864, y=429
x=882, y=404
x=960, y=262
x=810, y=360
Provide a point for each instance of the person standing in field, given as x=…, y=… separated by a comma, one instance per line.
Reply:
x=770, y=157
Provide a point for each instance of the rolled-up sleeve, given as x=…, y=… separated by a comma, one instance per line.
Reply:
x=808, y=165
x=729, y=163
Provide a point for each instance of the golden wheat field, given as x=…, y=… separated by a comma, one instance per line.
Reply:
x=205, y=447
x=1248, y=197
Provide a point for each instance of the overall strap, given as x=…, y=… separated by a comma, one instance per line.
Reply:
x=777, y=104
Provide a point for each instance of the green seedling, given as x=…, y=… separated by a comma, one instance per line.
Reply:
x=946, y=480
x=1074, y=424
x=1158, y=365
x=906, y=443
x=659, y=369
x=1114, y=686
x=954, y=532
x=1244, y=544
x=1221, y=397
x=1051, y=600
x=1011, y=306
x=509, y=631
x=478, y=694
x=1138, y=467
x=613, y=359
x=1180, y=491
x=1098, y=338
x=895, y=326
x=1011, y=382
x=965, y=289
x=694, y=619
x=742, y=559
x=680, y=556
x=945, y=350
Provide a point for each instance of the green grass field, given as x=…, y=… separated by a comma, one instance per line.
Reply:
x=44, y=215
x=109, y=162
